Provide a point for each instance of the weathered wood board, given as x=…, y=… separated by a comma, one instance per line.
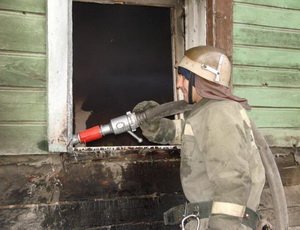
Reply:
x=23, y=110
x=266, y=65
x=127, y=190
x=33, y=6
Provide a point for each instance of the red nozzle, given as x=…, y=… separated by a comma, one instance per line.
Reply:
x=90, y=134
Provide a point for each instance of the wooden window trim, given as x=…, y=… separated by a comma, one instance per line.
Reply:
x=59, y=73
x=219, y=25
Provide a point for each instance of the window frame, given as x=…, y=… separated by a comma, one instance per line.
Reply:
x=60, y=56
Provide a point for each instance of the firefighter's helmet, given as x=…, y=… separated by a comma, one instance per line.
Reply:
x=209, y=63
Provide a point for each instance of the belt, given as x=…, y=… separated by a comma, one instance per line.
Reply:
x=203, y=210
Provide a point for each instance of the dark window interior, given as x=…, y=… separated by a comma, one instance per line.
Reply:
x=121, y=55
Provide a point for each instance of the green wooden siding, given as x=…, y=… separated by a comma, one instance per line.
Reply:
x=265, y=36
x=22, y=32
x=266, y=57
x=23, y=100
x=266, y=65
x=288, y=4
x=266, y=16
x=22, y=138
x=263, y=76
x=22, y=70
x=25, y=6
x=276, y=117
x=21, y=105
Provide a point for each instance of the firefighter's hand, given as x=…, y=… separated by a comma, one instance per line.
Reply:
x=149, y=128
x=144, y=105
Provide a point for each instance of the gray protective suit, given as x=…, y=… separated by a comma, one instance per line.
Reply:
x=219, y=158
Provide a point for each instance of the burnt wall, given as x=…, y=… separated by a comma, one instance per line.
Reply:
x=120, y=189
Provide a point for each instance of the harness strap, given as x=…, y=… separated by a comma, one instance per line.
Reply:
x=204, y=210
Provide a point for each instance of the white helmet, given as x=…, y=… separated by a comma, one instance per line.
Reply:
x=209, y=63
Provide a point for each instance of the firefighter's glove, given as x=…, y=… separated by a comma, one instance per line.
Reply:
x=148, y=127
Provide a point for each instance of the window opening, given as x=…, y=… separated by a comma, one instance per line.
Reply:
x=122, y=55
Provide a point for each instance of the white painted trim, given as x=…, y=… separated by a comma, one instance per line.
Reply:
x=59, y=73
x=195, y=23
x=177, y=33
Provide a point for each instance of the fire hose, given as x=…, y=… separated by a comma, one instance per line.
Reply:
x=131, y=121
x=274, y=180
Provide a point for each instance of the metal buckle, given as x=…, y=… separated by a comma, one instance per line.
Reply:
x=185, y=218
x=188, y=217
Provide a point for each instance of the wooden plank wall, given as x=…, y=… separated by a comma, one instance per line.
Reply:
x=119, y=190
x=266, y=59
x=126, y=190
x=219, y=25
x=23, y=77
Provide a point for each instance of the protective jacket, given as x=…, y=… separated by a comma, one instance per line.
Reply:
x=219, y=158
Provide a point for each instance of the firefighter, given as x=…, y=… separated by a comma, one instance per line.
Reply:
x=221, y=171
